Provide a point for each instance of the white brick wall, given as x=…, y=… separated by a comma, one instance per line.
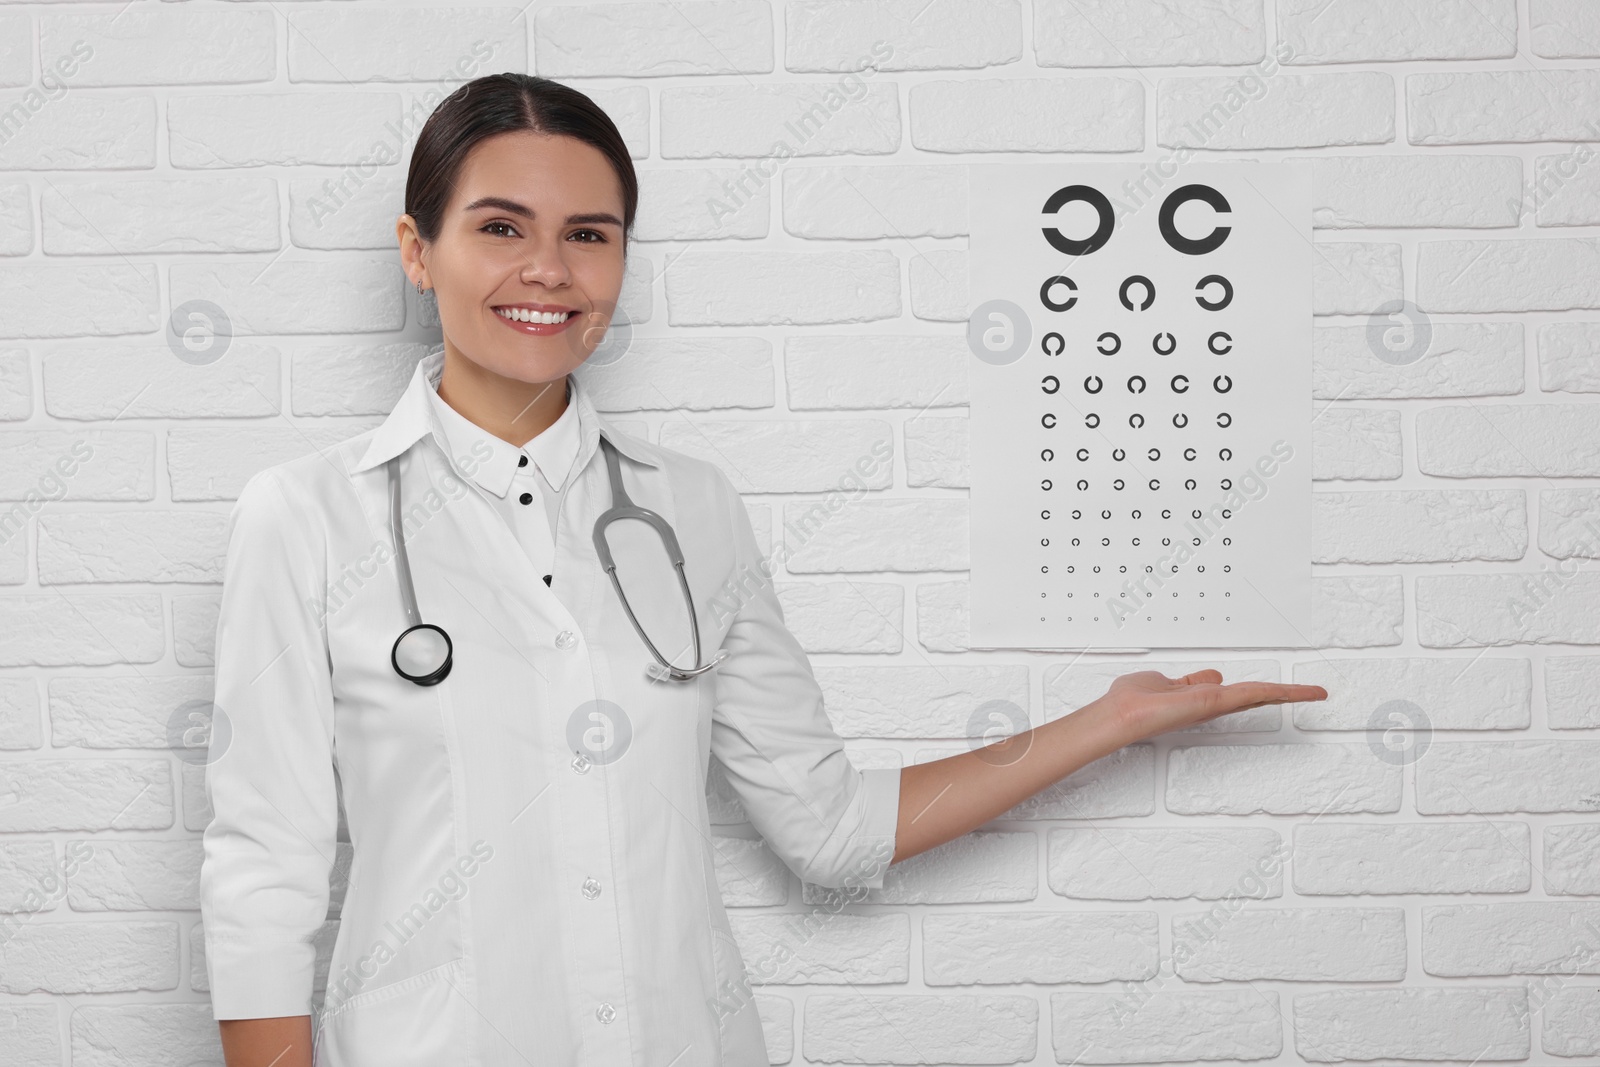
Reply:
x=1292, y=891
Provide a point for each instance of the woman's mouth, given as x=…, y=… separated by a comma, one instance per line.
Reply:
x=531, y=321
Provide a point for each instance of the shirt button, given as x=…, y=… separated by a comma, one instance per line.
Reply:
x=526, y=498
x=522, y=461
x=605, y=1013
x=591, y=888
x=580, y=763
x=566, y=639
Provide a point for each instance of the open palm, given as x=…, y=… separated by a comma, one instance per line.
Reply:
x=1152, y=703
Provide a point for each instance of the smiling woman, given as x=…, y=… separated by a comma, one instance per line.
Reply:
x=519, y=200
x=555, y=733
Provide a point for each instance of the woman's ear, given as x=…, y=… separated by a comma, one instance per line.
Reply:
x=412, y=249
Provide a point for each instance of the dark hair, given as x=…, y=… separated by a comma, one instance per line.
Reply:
x=500, y=103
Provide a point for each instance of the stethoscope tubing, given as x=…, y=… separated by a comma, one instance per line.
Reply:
x=622, y=507
x=408, y=593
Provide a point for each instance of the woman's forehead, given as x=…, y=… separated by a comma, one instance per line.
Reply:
x=533, y=169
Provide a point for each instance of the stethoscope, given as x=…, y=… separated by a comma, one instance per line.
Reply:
x=423, y=653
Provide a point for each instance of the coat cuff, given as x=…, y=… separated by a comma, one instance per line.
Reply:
x=254, y=978
x=881, y=786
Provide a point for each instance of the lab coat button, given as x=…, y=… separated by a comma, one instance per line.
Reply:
x=580, y=763
x=566, y=639
x=591, y=888
x=605, y=1013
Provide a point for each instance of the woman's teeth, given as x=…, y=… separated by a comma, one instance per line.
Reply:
x=524, y=315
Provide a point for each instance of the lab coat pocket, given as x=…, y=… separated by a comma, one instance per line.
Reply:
x=740, y=1037
x=417, y=1020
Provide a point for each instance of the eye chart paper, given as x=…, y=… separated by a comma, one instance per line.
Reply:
x=1141, y=404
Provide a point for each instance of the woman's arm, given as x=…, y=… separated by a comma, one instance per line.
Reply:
x=284, y=1042
x=271, y=841
x=943, y=799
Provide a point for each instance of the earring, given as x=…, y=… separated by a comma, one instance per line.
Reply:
x=419, y=288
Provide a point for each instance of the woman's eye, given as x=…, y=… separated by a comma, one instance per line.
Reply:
x=504, y=225
x=596, y=234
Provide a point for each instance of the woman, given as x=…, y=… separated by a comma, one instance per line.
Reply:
x=533, y=877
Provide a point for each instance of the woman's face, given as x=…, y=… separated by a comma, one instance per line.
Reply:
x=534, y=223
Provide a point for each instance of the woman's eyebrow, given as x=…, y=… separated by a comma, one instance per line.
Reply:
x=515, y=208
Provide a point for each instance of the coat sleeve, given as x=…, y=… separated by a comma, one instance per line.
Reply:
x=269, y=776
x=830, y=822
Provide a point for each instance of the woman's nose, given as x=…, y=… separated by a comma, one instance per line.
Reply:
x=546, y=264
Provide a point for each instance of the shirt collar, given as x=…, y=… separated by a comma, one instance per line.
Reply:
x=415, y=415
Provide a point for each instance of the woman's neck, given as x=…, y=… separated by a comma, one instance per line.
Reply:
x=512, y=410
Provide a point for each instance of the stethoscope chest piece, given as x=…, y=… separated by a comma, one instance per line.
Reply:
x=423, y=654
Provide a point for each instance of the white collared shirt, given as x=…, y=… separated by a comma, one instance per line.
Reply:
x=526, y=481
x=534, y=879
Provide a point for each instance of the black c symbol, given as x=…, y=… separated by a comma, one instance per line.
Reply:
x=1136, y=378
x=1193, y=246
x=1155, y=483
x=1048, y=420
x=1136, y=420
x=1216, y=383
x=1087, y=194
x=1176, y=378
x=1095, y=388
x=1061, y=344
x=1118, y=454
x=1048, y=454
x=1188, y=453
x=1155, y=454
x=1172, y=344
x=1083, y=454
x=1116, y=344
x=1044, y=484
x=1227, y=292
x=1091, y=420
x=1044, y=292
x=1221, y=416
x=1225, y=454
x=1050, y=383
x=1212, y=344
x=1149, y=291
x=1180, y=420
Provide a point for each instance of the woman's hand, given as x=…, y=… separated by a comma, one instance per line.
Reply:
x=1150, y=703
x=944, y=798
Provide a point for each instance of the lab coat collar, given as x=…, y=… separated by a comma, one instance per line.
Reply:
x=414, y=417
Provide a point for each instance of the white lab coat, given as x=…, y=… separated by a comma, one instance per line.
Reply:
x=519, y=894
